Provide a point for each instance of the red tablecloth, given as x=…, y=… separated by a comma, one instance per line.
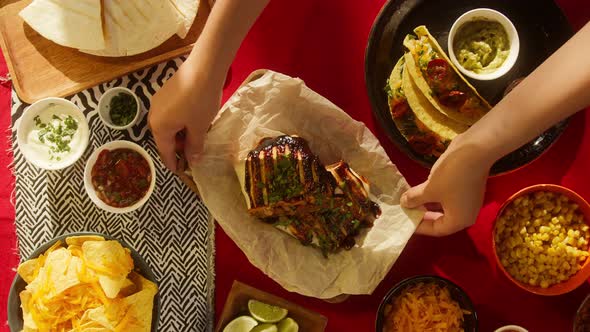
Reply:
x=323, y=42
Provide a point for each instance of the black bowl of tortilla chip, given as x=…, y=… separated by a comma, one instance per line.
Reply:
x=438, y=299
x=423, y=141
x=89, y=280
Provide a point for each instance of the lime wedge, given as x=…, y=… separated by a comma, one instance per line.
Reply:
x=241, y=324
x=266, y=313
x=264, y=328
x=288, y=325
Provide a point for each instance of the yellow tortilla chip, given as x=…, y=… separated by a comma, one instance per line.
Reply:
x=128, y=288
x=139, y=316
x=107, y=257
x=79, y=240
x=111, y=285
x=142, y=283
x=89, y=325
x=60, y=271
x=110, y=261
x=29, y=322
x=92, y=329
x=95, y=329
x=108, y=317
x=28, y=270
x=132, y=313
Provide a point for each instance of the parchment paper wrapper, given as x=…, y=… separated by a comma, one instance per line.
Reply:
x=273, y=105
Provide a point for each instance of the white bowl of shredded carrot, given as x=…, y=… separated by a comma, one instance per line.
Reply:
x=426, y=303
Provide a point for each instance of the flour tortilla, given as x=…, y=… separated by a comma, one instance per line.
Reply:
x=187, y=11
x=70, y=23
x=434, y=120
x=136, y=26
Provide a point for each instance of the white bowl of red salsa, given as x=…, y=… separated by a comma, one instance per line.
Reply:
x=119, y=176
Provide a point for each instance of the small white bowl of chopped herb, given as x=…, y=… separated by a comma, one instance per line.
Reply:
x=119, y=108
x=52, y=133
x=119, y=176
x=483, y=44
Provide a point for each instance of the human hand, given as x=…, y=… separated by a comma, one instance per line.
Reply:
x=453, y=191
x=182, y=110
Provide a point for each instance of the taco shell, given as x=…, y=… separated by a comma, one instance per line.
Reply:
x=432, y=119
x=424, y=45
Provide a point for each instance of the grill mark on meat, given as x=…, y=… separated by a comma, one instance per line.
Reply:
x=290, y=187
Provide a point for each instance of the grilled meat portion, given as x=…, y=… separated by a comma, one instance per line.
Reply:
x=288, y=185
x=281, y=174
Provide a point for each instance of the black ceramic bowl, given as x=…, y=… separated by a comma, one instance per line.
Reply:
x=540, y=34
x=470, y=321
x=15, y=314
x=582, y=319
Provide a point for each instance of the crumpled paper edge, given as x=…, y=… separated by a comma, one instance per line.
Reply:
x=328, y=290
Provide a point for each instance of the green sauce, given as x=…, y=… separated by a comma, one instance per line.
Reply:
x=122, y=109
x=481, y=46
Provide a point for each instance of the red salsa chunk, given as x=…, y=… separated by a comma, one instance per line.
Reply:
x=121, y=177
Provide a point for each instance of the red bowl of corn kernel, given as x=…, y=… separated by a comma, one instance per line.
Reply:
x=541, y=239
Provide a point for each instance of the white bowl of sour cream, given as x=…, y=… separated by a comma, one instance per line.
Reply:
x=52, y=133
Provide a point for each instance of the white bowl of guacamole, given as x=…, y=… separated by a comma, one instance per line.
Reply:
x=483, y=44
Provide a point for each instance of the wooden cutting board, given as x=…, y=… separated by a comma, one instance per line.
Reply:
x=40, y=68
x=236, y=305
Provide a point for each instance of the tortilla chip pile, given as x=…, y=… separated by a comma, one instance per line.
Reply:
x=87, y=286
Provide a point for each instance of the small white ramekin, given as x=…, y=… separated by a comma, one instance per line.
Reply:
x=88, y=176
x=489, y=15
x=27, y=121
x=511, y=328
x=104, y=104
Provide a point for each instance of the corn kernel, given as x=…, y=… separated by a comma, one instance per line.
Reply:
x=542, y=239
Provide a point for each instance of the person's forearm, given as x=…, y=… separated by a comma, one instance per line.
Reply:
x=226, y=28
x=555, y=90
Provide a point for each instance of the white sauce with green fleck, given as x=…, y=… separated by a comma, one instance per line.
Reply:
x=54, y=136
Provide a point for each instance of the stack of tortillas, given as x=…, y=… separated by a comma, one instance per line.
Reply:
x=111, y=27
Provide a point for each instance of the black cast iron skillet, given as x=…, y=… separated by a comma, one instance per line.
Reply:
x=542, y=29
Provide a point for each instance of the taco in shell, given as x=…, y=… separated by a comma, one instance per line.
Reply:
x=427, y=131
x=440, y=82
